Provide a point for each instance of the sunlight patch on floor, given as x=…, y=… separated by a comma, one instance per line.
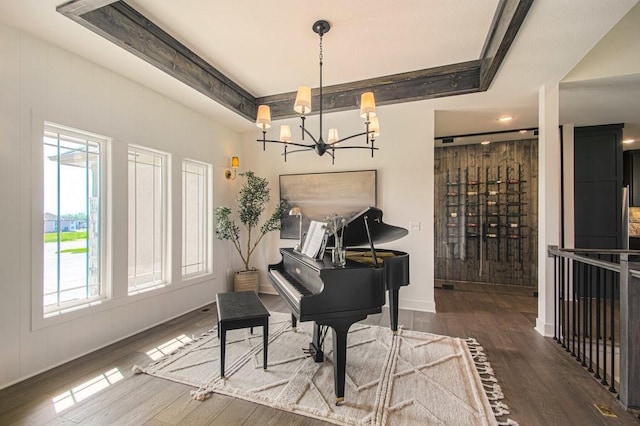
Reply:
x=168, y=347
x=85, y=390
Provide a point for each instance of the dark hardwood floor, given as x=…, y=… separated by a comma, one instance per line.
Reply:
x=542, y=385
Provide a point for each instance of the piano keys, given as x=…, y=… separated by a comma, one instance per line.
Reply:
x=337, y=297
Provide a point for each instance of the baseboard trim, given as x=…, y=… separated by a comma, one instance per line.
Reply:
x=486, y=287
x=545, y=329
x=418, y=305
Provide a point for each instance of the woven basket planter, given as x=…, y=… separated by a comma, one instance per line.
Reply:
x=246, y=281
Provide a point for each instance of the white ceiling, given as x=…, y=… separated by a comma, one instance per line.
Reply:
x=269, y=48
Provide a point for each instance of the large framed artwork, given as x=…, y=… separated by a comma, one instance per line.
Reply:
x=318, y=195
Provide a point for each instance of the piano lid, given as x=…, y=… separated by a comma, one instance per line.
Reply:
x=355, y=231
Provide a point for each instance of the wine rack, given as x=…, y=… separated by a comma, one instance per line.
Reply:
x=493, y=212
x=487, y=215
x=454, y=207
x=473, y=212
x=514, y=213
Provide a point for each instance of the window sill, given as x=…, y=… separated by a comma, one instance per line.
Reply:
x=73, y=308
x=147, y=288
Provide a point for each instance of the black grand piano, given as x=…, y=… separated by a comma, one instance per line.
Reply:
x=337, y=297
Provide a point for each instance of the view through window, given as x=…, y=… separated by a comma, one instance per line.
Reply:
x=72, y=181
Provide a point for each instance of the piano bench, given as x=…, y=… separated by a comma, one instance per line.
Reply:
x=241, y=310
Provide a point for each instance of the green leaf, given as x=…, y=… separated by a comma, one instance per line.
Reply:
x=253, y=197
x=226, y=229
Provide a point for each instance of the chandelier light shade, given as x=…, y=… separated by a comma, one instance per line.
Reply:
x=374, y=127
x=263, y=120
x=367, y=105
x=333, y=136
x=303, y=100
x=285, y=133
x=302, y=106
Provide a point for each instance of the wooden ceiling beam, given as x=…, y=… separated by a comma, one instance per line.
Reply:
x=80, y=7
x=509, y=17
x=124, y=26
x=449, y=80
x=121, y=24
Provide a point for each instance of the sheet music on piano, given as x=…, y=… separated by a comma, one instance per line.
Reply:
x=315, y=241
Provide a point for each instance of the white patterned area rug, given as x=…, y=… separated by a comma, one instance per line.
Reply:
x=405, y=379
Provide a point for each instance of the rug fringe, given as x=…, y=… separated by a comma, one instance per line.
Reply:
x=200, y=394
x=494, y=393
x=489, y=382
x=500, y=408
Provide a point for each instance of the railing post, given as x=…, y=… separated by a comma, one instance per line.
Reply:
x=629, y=335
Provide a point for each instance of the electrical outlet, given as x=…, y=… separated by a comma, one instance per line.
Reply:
x=414, y=226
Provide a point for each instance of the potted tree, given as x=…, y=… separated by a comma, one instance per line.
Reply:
x=252, y=200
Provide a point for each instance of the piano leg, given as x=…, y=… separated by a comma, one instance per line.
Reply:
x=340, y=328
x=393, y=308
x=294, y=323
x=339, y=359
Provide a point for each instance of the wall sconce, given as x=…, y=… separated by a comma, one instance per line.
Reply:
x=235, y=162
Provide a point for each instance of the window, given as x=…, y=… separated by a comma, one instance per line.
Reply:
x=72, y=197
x=196, y=238
x=147, y=219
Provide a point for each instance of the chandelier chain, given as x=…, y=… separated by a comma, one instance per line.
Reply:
x=320, y=56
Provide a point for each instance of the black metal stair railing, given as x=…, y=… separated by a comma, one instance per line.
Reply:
x=595, y=299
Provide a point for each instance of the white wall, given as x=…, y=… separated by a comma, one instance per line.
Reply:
x=40, y=82
x=615, y=55
x=405, y=171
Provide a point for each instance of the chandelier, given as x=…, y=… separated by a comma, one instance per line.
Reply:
x=303, y=106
